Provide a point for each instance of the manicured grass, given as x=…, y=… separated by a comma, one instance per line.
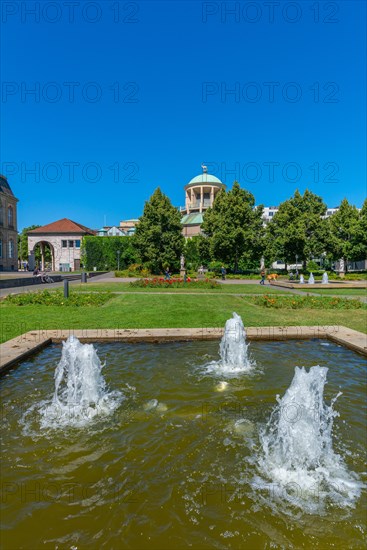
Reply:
x=337, y=291
x=142, y=311
x=222, y=289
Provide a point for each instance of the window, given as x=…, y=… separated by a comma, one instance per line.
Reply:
x=10, y=216
x=1, y=248
x=11, y=248
x=64, y=244
x=206, y=199
x=271, y=214
x=71, y=244
x=77, y=244
x=1, y=213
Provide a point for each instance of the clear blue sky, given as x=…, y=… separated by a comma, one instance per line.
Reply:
x=149, y=102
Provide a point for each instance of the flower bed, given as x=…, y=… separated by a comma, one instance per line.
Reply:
x=307, y=302
x=160, y=282
x=56, y=298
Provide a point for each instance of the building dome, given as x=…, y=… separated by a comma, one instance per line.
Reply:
x=205, y=178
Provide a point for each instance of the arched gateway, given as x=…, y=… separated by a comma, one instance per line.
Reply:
x=64, y=238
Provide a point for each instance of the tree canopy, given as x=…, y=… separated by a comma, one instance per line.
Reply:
x=158, y=238
x=298, y=228
x=348, y=232
x=233, y=227
x=23, y=251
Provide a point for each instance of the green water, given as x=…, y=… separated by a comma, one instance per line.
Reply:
x=177, y=477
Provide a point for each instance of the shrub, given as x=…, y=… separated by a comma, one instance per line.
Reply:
x=56, y=298
x=134, y=270
x=160, y=282
x=312, y=266
x=306, y=302
x=216, y=267
x=355, y=276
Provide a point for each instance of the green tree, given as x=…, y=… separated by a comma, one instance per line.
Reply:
x=23, y=251
x=192, y=253
x=234, y=227
x=361, y=233
x=347, y=240
x=298, y=229
x=158, y=237
x=23, y=242
x=204, y=250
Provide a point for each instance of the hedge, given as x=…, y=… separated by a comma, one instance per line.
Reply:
x=101, y=252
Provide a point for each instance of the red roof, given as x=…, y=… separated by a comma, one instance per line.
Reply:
x=63, y=226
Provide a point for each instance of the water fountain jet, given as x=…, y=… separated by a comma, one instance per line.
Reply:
x=297, y=447
x=80, y=390
x=233, y=349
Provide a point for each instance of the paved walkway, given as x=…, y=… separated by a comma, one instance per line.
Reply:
x=31, y=288
x=110, y=278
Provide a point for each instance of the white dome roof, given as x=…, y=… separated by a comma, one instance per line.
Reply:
x=205, y=178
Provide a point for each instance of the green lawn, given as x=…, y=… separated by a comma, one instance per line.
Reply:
x=222, y=289
x=153, y=311
x=337, y=291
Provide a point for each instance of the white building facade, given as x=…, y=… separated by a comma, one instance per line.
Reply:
x=63, y=238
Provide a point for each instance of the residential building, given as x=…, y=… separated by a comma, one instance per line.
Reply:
x=129, y=226
x=108, y=231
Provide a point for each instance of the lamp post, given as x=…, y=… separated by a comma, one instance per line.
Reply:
x=296, y=266
x=118, y=260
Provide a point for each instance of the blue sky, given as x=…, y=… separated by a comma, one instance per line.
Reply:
x=129, y=96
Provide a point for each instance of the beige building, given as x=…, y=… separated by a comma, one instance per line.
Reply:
x=200, y=194
x=64, y=238
x=129, y=226
x=8, y=227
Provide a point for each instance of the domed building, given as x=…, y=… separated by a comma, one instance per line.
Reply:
x=200, y=194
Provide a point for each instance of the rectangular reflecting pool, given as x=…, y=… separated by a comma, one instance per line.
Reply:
x=182, y=453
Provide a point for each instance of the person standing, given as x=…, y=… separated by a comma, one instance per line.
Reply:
x=262, y=273
x=223, y=272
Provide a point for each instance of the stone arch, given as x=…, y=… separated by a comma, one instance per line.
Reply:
x=54, y=249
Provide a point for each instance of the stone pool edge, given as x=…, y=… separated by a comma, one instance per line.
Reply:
x=19, y=348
